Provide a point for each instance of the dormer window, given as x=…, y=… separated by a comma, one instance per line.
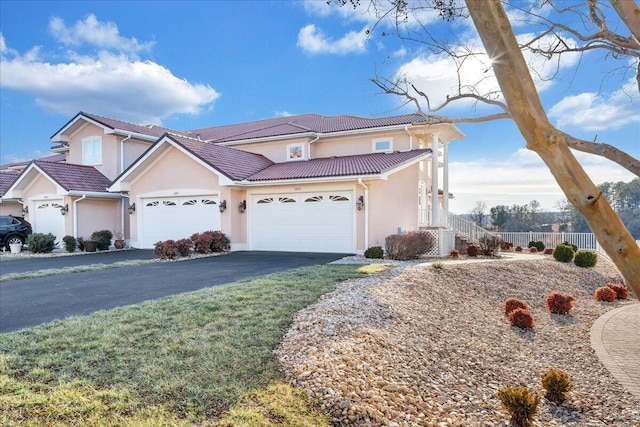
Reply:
x=382, y=145
x=92, y=151
x=295, y=152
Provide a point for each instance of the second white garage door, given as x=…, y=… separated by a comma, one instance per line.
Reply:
x=175, y=218
x=48, y=219
x=309, y=222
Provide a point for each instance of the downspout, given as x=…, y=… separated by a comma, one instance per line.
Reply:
x=309, y=145
x=366, y=213
x=75, y=215
x=122, y=153
x=406, y=129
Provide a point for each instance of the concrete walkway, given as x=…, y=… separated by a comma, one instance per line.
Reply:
x=615, y=337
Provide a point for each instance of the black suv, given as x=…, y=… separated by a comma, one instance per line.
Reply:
x=13, y=229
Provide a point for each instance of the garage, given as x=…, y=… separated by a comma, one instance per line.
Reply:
x=48, y=219
x=309, y=222
x=175, y=218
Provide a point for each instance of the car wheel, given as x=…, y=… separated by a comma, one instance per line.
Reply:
x=14, y=240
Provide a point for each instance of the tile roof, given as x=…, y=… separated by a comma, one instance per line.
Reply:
x=51, y=158
x=7, y=178
x=235, y=164
x=302, y=124
x=151, y=130
x=357, y=165
x=73, y=177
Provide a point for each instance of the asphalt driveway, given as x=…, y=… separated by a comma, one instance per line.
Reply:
x=29, y=302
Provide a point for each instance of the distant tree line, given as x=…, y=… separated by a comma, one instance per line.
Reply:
x=624, y=197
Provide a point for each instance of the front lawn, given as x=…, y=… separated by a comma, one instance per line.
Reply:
x=174, y=361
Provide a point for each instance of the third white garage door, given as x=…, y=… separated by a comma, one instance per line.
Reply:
x=175, y=218
x=309, y=222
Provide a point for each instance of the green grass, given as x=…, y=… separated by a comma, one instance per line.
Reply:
x=182, y=359
x=67, y=270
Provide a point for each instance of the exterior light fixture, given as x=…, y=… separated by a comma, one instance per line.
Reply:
x=223, y=206
x=64, y=209
x=132, y=208
x=25, y=210
x=360, y=203
x=242, y=206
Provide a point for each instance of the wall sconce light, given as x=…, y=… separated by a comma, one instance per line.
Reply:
x=132, y=208
x=64, y=209
x=25, y=210
x=360, y=203
x=223, y=206
x=242, y=206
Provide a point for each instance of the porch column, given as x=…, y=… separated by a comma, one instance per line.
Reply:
x=445, y=184
x=435, y=203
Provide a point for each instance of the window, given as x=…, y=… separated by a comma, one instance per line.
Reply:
x=382, y=145
x=286, y=200
x=295, y=152
x=92, y=151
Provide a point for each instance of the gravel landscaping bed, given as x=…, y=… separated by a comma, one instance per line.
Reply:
x=418, y=346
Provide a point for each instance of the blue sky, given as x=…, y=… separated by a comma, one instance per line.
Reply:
x=194, y=64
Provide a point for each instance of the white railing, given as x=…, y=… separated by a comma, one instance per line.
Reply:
x=425, y=217
x=585, y=241
x=468, y=229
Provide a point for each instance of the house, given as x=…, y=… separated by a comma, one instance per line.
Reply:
x=302, y=183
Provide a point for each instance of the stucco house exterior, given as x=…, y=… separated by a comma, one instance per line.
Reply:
x=302, y=183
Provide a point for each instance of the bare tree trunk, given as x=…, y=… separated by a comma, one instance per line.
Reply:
x=527, y=111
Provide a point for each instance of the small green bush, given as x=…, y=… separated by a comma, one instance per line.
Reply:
x=80, y=241
x=585, y=259
x=69, y=243
x=556, y=384
x=437, y=266
x=537, y=244
x=574, y=247
x=103, y=237
x=563, y=253
x=374, y=252
x=521, y=403
x=41, y=243
x=408, y=245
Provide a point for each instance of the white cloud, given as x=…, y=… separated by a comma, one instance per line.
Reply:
x=592, y=111
x=104, y=35
x=114, y=83
x=284, y=114
x=519, y=179
x=23, y=157
x=312, y=40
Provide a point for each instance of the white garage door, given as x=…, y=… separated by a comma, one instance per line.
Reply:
x=48, y=219
x=175, y=218
x=310, y=222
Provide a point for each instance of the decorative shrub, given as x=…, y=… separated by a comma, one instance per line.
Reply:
x=585, y=259
x=69, y=243
x=622, y=292
x=556, y=384
x=521, y=403
x=548, y=251
x=533, y=249
x=183, y=246
x=408, y=245
x=166, y=249
x=103, y=237
x=202, y=242
x=574, y=247
x=537, y=244
x=506, y=246
x=512, y=303
x=521, y=318
x=374, y=252
x=563, y=253
x=473, y=250
x=560, y=303
x=41, y=243
x=489, y=245
x=518, y=248
x=455, y=254
x=80, y=241
x=438, y=266
x=219, y=241
x=605, y=293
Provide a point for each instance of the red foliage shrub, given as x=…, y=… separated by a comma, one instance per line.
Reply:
x=506, y=246
x=473, y=250
x=533, y=249
x=201, y=242
x=548, y=251
x=622, y=292
x=605, y=293
x=166, y=249
x=560, y=303
x=183, y=246
x=455, y=254
x=512, y=303
x=521, y=318
x=518, y=248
